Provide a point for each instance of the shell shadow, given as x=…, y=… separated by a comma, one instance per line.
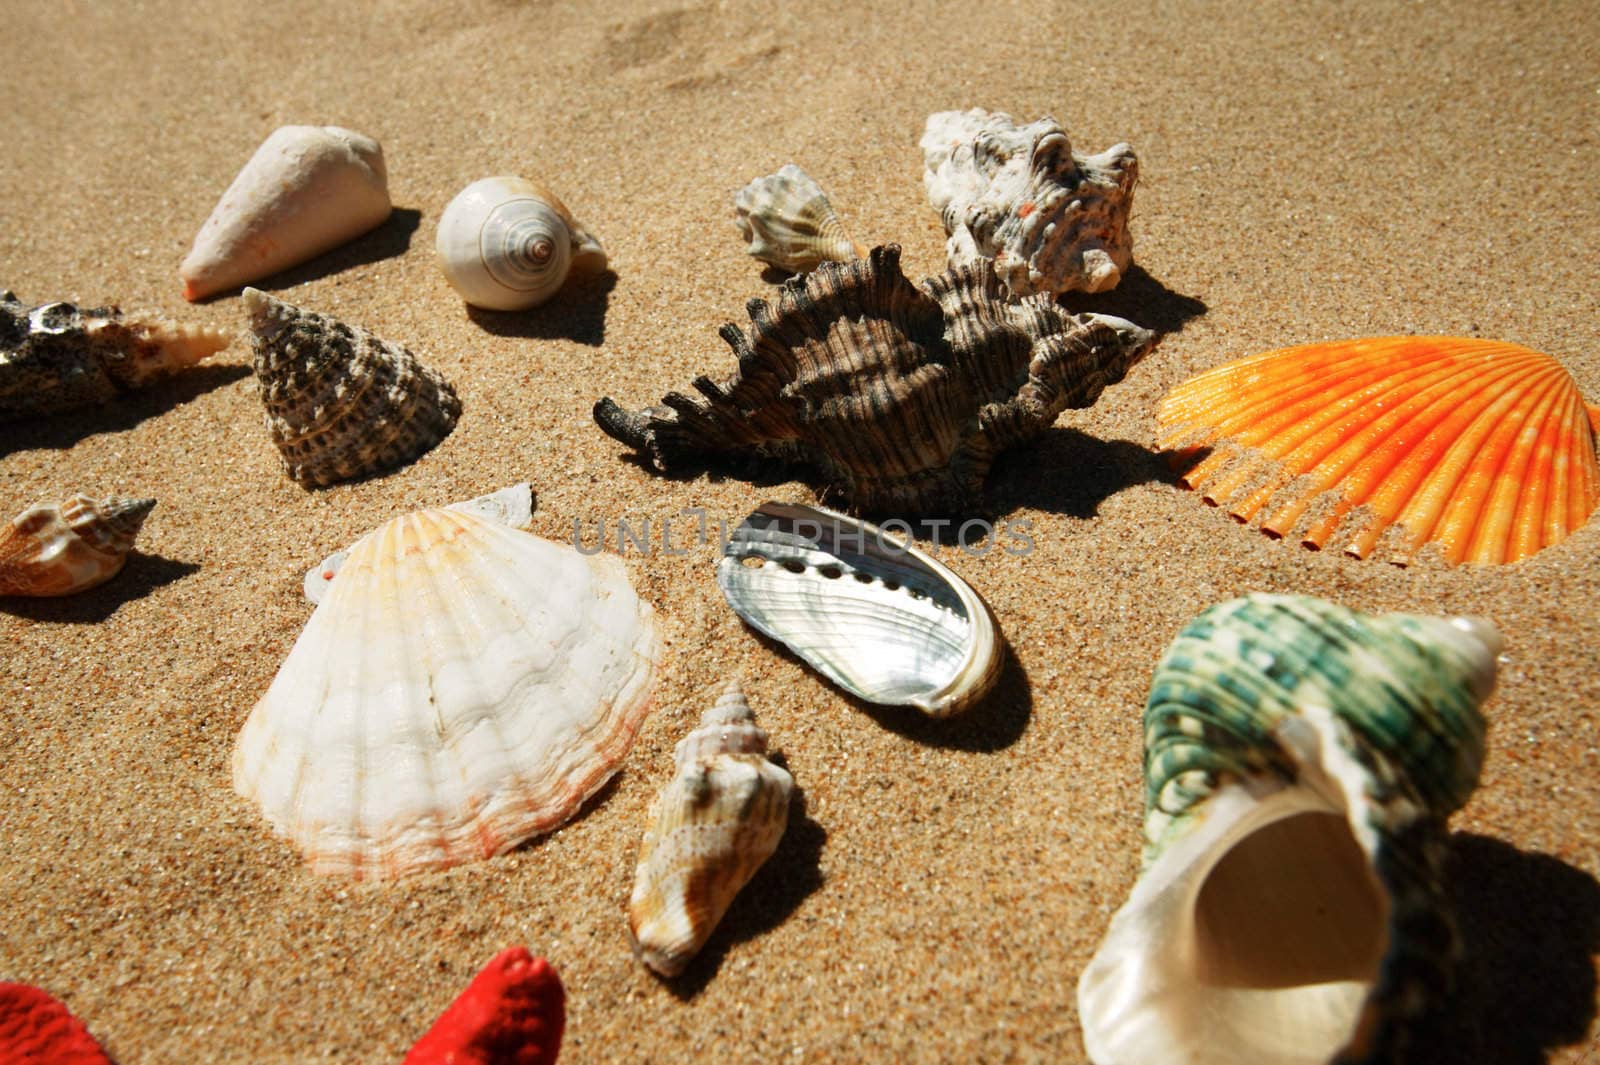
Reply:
x=993, y=723
x=779, y=887
x=141, y=575
x=1066, y=471
x=57, y=432
x=1530, y=925
x=577, y=312
x=1141, y=299
x=391, y=238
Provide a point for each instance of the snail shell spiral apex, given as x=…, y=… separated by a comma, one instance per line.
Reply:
x=507, y=244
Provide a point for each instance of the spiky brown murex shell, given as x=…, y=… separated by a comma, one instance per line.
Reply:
x=57, y=357
x=899, y=396
x=342, y=403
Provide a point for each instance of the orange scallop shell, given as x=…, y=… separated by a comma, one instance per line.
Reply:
x=1481, y=447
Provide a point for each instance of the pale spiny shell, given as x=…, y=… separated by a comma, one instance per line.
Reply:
x=50, y=550
x=1300, y=761
x=306, y=190
x=341, y=403
x=711, y=828
x=788, y=222
x=507, y=243
x=1052, y=220
x=900, y=397
x=867, y=610
x=56, y=357
x=463, y=686
x=1481, y=448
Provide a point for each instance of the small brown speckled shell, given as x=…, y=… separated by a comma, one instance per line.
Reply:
x=900, y=396
x=50, y=550
x=341, y=403
x=57, y=357
x=711, y=828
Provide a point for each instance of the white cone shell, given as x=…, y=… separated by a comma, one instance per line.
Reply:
x=506, y=244
x=462, y=687
x=307, y=190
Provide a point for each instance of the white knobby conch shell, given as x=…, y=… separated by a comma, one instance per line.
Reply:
x=711, y=828
x=463, y=686
x=307, y=189
x=50, y=550
x=1300, y=762
x=1052, y=220
x=873, y=614
x=507, y=244
x=788, y=222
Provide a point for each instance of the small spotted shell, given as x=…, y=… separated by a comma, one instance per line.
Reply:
x=711, y=828
x=787, y=221
x=507, y=244
x=50, y=550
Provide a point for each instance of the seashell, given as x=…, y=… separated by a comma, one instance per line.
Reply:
x=1481, y=447
x=512, y=1013
x=306, y=190
x=50, y=550
x=900, y=397
x=1052, y=220
x=789, y=223
x=57, y=357
x=511, y=506
x=342, y=403
x=37, y=1027
x=711, y=828
x=1300, y=762
x=507, y=243
x=462, y=687
x=870, y=612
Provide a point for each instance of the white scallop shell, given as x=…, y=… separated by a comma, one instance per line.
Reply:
x=307, y=189
x=511, y=506
x=462, y=687
x=507, y=243
x=711, y=828
x=873, y=614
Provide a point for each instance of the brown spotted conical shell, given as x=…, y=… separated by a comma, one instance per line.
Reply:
x=341, y=403
x=899, y=396
x=50, y=550
x=711, y=828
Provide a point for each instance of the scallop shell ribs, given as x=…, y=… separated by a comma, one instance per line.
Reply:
x=341, y=403
x=1483, y=449
x=712, y=827
x=57, y=357
x=1052, y=220
x=899, y=396
x=58, y=550
x=463, y=686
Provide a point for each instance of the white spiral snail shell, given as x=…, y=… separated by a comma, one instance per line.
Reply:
x=507, y=243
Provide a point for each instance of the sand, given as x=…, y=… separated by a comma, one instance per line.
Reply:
x=1319, y=172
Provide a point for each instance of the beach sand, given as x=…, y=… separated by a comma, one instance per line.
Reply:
x=1322, y=172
